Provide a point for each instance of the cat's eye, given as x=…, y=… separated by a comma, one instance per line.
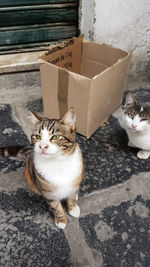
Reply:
x=130, y=115
x=55, y=137
x=143, y=119
x=38, y=137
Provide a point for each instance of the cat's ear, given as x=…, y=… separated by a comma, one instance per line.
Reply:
x=130, y=101
x=35, y=117
x=69, y=118
x=147, y=108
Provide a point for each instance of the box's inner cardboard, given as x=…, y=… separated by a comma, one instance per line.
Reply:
x=84, y=58
x=98, y=57
x=90, y=68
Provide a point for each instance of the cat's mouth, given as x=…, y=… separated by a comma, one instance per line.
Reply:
x=50, y=155
x=44, y=153
x=132, y=128
x=135, y=129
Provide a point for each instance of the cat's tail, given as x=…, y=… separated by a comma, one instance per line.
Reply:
x=11, y=151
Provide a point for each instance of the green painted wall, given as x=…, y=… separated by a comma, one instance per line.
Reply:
x=32, y=25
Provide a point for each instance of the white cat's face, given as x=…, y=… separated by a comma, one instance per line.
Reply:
x=135, y=123
x=45, y=147
x=135, y=117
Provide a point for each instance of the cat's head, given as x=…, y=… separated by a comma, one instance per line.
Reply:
x=53, y=137
x=136, y=116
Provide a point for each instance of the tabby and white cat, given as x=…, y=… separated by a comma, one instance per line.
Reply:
x=54, y=165
x=135, y=120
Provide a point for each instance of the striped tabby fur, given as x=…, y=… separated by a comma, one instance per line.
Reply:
x=54, y=165
x=12, y=151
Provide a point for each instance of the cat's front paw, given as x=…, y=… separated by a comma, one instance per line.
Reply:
x=75, y=212
x=61, y=225
x=142, y=154
x=61, y=222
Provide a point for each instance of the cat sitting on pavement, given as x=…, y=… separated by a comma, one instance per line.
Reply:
x=135, y=120
x=54, y=164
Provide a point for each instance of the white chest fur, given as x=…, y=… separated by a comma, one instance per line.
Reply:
x=61, y=171
x=140, y=139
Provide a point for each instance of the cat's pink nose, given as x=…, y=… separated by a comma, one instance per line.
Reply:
x=134, y=126
x=43, y=147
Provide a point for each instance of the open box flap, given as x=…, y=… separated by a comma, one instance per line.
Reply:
x=67, y=55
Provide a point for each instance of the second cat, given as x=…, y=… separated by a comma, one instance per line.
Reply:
x=135, y=120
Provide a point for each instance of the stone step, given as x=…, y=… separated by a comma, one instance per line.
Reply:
x=19, y=78
x=19, y=62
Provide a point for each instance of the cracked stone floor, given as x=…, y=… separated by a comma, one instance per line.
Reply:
x=114, y=227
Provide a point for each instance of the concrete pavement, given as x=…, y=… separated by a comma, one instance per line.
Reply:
x=114, y=227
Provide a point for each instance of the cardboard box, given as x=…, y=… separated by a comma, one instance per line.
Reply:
x=85, y=75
